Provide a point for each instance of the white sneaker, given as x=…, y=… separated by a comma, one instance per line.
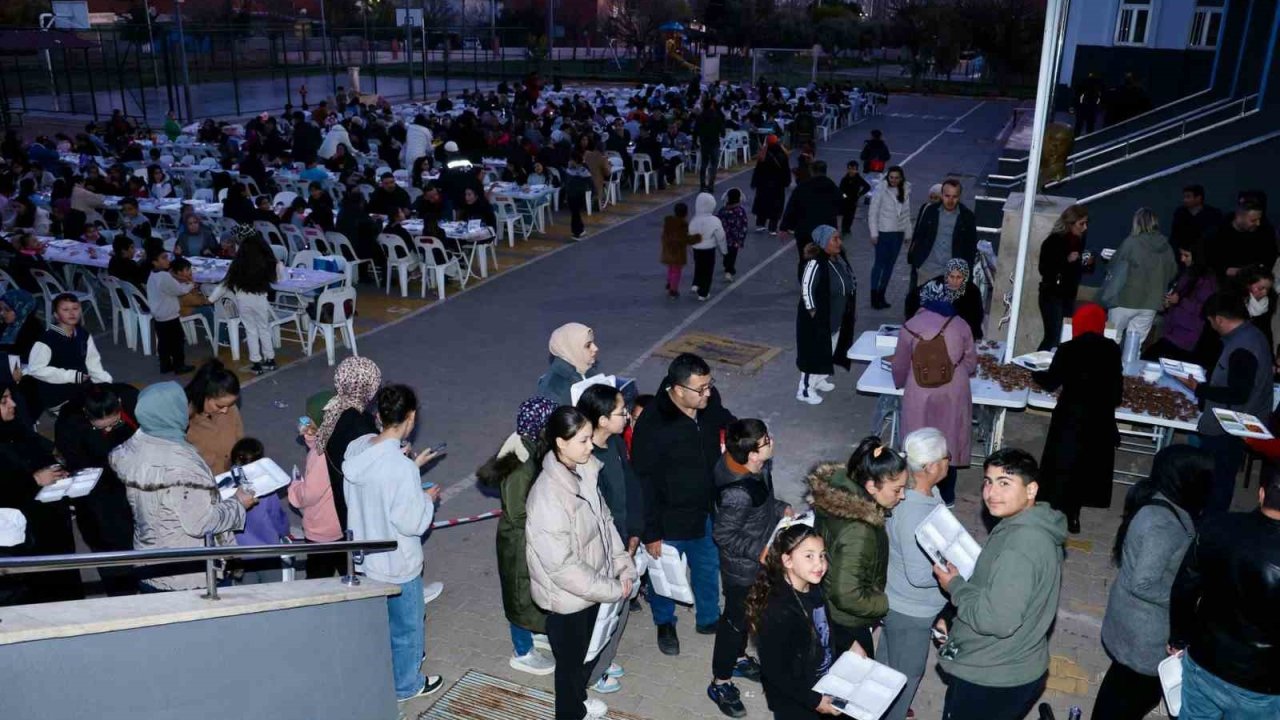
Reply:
x=431, y=591
x=534, y=662
x=606, y=685
x=728, y=277
x=811, y=398
x=540, y=641
x=595, y=708
x=824, y=385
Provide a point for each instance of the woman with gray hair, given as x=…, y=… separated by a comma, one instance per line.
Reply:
x=914, y=597
x=1138, y=277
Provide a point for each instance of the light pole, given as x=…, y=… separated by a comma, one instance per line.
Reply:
x=551, y=28
x=328, y=60
x=182, y=54
x=151, y=38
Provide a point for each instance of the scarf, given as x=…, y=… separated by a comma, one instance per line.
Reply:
x=356, y=380
x=1089, y=318
x=822, y=236
x=569, y=343
x=1258, y=306
x=162, y=412
x=532, y=416
x=936, y=297
x=22, y=304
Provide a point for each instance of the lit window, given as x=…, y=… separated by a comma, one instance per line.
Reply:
x=1206, y=25
x=1133, y=23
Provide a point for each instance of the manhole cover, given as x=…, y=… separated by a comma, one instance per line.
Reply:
x=721, y=351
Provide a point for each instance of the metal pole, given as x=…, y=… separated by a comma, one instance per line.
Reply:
x=235, y=74
x=551, y=28
x=210, y=572
x=1052, y=20
x=182, y=51
x=408, y=47
x=328, y=59
x=151, y=39
x=350, y=579
x=288, y=90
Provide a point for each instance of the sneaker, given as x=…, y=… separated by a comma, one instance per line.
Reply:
x=635, y=604
x=595, y=708
x=703, y=298
x=824, y=385
x=747, y=668
x=579, y=236
x=773, y=233
x=726, y=697
x=668, y=641
x=270, y=364
x=432, y=591
x=708, y=629
x=606, y=685
x=615, y=671
x=811, y=398
x=257, y=368
x=761, y=228
x=433, y=683
x=728, y=277
x=541, y=642
x=534, y=662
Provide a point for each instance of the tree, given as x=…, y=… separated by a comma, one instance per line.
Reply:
x=635, y=23
x=1008, y=33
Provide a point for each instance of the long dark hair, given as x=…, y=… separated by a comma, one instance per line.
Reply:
x=212, y=380
x=873, y=461
x=564, y=423
x=1182, y=474
x=772, y=573
x=253, y=269
x=902, y=186
x=1199, y=263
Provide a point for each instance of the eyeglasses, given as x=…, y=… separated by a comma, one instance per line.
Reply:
x=700, y=391
x=765, y=442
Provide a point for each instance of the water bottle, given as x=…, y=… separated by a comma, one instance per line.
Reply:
x=1132, y=346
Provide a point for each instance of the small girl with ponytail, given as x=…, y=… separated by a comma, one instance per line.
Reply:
x=787, y=612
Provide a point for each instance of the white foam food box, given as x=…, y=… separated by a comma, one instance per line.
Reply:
x=861, y=688
x=72, y=486
x=1242, y=424
x=1183, y=370
x=944, y=539
x=887, y=337
x=606, y=624
x=669, y=574
x=1035, y=361
x=263, y=476
x=1170, y=672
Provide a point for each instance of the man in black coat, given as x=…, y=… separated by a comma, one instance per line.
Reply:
x=709, y=129
x=675, y=448
x=944, y=230
x=388, y=196
x=1194, y=220
x=814, y=202
x=306, y=138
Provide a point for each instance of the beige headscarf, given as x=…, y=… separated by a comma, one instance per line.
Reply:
x=569, y=343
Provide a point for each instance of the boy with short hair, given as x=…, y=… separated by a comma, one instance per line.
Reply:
x=997, y=651
x=745, y=515
x=163, y=291
x=852, y=187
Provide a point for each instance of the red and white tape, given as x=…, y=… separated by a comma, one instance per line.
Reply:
x=465, y=520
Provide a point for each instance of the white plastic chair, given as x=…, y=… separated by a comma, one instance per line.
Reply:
x=204, y=195
x=191, y=324
x=340, y=245
x=142, y=312
x=642, y=169
x=335, y=310
x=294, y=239
x=436, y=264
x=283, y=199
x=121, y=315
x=399, y=260
x=271, y=233
x=226, y=314
x=506, y=213
x=613, y=189
x=50, y=288
x=314, y=237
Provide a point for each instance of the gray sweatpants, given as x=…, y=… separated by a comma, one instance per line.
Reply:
x=904, y=646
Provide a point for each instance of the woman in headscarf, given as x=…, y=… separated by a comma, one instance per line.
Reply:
x=1079, y=453
x=173, y=495
x=958, y=290
x=825, y=314
x=947, y=406
x=573, y=359
x=27, y=465
x=346, y=417
x=512, y=472
x=19, y=330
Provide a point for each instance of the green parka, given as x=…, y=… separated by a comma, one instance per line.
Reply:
x=852, y=526
x=513, y=471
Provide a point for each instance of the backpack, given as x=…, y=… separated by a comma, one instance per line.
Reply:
x=930, y=362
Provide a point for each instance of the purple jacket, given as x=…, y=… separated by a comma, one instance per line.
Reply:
x=265, y=523
x=1182, y=322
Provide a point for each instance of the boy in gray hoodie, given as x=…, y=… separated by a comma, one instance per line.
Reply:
x=997, y=652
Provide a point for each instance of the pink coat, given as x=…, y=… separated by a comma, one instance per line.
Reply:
x=948, y=408
x=313, y=495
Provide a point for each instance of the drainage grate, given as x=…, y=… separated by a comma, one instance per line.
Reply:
x=477, y=696
x=721, y=351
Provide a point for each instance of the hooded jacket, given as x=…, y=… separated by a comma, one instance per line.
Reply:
x=852, y=525
x=705, y=224
x=558, y=381
x=746, y=513
x=512, y=471
x=1139, y=273
x=999, y=637
x=385, y=501
x=576, y=558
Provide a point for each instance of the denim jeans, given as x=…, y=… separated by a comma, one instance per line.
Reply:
x=1207, y=697
x=704, y=576
x=521, y=640
x=405, y=615
x=887, y=248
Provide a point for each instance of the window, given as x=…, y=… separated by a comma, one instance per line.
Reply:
x=1133, y=23
x=1206, y=25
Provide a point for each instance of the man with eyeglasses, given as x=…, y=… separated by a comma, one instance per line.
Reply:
x=675, y=448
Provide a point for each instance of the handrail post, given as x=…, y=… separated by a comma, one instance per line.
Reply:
x=210, y=573
x=350, y=579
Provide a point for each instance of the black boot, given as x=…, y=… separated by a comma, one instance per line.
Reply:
x=877, y=300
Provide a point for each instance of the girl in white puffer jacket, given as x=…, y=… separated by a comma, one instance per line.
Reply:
x=890, y=223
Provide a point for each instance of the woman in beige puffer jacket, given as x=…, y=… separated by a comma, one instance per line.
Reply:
x=576, y=558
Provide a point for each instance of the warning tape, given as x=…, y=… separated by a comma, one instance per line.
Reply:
x=465, y=520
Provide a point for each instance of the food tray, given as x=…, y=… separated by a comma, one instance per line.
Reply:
x=1170, y=671
x=944, y=539
x=861, y=688
x=263, y=477
x=72, y=486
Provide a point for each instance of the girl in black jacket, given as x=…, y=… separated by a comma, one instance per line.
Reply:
x=787, y=613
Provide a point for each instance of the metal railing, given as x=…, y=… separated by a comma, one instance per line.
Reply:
x=1139, y=116
x=211, y=555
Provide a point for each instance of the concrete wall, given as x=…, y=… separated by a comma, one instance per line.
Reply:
x=1030, y=328
x=322, y=662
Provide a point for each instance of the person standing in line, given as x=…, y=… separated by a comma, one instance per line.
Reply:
x=573, y=352
x=746, y=514
x=578, y=183
x=914, y=598
x=1138, y=276
x=675, y=448
x=248, y=282
x=1158, y=525
x=875, y=153
x=851, y=503
x=852, y=187
x=815, y=202
x=945, y=230
x=1239, y=381
x=1061, y=265
x=889, y=220
x=576, y=558
x=710, y=129
x=346, y=417
x=214, y=423
x=711, y=232
x=996, y=657
x=312, y=495
x=1222, y=614
x=825, y=317
x=733, y=216
x=385, y=500
x=1080, y=450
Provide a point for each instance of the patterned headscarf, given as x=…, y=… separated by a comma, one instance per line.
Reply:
x=532, y=416
x=935, y=296
x=243, y=232
x=356, y=380
x=960, y=266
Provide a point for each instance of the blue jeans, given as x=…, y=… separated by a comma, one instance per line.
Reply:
x=1207, y=697
x=521, y=640
x=405, y=616
x=704, y=575
x=887, y=249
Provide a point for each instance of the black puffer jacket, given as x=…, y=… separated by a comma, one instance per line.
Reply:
x=674, y=456
x=793, y=655
x=746, y=513
x=1224, y=600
